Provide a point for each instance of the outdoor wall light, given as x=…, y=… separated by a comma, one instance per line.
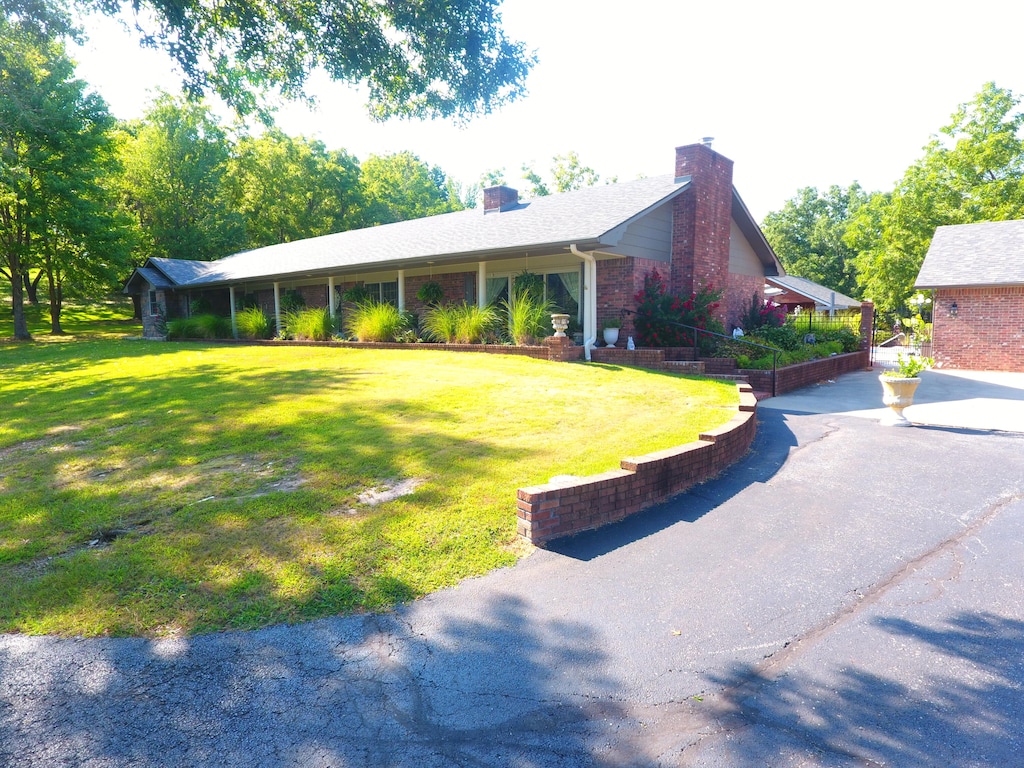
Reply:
x=953, y=309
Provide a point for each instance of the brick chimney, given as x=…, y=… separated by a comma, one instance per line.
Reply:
x=500, y=198
x=700, y=219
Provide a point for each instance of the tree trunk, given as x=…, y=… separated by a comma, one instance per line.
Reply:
x=32, y=288
x=55, y=298
x=18, y=307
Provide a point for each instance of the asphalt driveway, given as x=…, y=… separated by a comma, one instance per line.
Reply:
x=847, y=595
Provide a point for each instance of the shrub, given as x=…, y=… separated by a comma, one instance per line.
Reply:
x=529, y=317
x=784, y=337
x=658, y=312
x=848, y=340
x=759, y=314
x=206, y=326
x=253, y=323
x=374, y=321
x=313, y=324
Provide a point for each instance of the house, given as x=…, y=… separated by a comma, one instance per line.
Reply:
x=593, y=248
x=792, y=292
x=977, y=274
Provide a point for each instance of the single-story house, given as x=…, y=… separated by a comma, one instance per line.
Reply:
x=593, y=248
x=977, y=274
x=808, y=295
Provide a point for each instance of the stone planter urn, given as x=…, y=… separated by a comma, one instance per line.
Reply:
x=611, y=335
x=897, y=393
x=559, y=322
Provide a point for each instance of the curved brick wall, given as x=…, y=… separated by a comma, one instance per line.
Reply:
x=550, y=511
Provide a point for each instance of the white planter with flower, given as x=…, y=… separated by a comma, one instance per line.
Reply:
x=899, y=386
x=610, y=328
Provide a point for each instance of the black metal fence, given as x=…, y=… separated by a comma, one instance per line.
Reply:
x=816, y=322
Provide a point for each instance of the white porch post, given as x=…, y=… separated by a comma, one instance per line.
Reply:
x=277, y=305
x=481, y=284
x=330, y=296
x=234, y=321
x=401, y=290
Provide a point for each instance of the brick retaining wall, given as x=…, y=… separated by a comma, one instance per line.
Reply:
x=565, y=507
x=803, y=374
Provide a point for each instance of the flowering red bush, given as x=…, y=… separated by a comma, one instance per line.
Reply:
x=658, y=312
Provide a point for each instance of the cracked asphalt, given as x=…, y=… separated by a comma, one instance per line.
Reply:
x=847, y=595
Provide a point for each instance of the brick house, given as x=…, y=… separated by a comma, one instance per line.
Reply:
x=793, y=292
x=977, y=274
x=592, y=247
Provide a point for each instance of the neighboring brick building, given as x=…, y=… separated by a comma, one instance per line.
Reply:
x=977, y=274
x=593, y=248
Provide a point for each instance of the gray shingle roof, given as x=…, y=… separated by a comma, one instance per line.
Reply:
x=544, y=223
x=812, y=290
x=989, y=253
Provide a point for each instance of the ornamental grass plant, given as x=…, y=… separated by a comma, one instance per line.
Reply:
x=375, y=321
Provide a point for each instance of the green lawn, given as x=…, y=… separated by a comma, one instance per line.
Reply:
x=156, y=488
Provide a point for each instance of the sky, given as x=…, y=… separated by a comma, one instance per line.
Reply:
x=797, y=94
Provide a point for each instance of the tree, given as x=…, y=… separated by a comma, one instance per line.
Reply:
x=973, y=171
x=416, y=59
x=808, y=235
x=288, y=189
x=401, y=186
x=567, y=174
x=174, y=182
x=55, y=213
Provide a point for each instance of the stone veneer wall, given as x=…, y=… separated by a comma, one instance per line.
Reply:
x=562, y=508
x=987, y=333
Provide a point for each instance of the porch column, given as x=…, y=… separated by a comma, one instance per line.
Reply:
x=330, y=296
x=277, y=306
x=401, y=290
x=234, y=321
x=481, y=284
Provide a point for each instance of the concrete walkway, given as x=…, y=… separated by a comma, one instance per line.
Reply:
x=847, y=595
x=967, y=399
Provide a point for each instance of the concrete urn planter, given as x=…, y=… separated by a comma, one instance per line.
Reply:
x=897, y=393
x=611, y=335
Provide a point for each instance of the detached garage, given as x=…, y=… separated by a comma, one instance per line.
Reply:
x=977, y=274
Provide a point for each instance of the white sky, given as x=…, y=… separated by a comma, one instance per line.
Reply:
x=796, y=93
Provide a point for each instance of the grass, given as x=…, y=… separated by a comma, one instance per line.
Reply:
x=109, y=318
x=149, y=488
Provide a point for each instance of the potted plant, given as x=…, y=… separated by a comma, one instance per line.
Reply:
x=611, y=330
x=899, y=385
x=431, y=294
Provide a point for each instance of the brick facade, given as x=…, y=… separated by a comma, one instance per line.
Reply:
x=701, y=219
x=987, y=333
x=562, y=508
x=457, y=287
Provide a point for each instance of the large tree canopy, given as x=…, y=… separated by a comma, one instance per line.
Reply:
x=55, y=158
x=174, y=182
x=416, y=58
x=973, y=171
x=807, y=234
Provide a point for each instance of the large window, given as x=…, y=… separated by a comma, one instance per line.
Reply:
x=385, y=293
x=563, y=289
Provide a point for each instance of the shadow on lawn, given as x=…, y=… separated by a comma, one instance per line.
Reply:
x=965, y=714
x=146, y=459
x=768, y=452
x=493, y=687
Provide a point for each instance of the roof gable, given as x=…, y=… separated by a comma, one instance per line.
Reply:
x=818, y=293
x=987, y=253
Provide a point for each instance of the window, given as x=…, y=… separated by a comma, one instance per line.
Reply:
x=563, y=290
x=154, y=305
x=385, y=293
